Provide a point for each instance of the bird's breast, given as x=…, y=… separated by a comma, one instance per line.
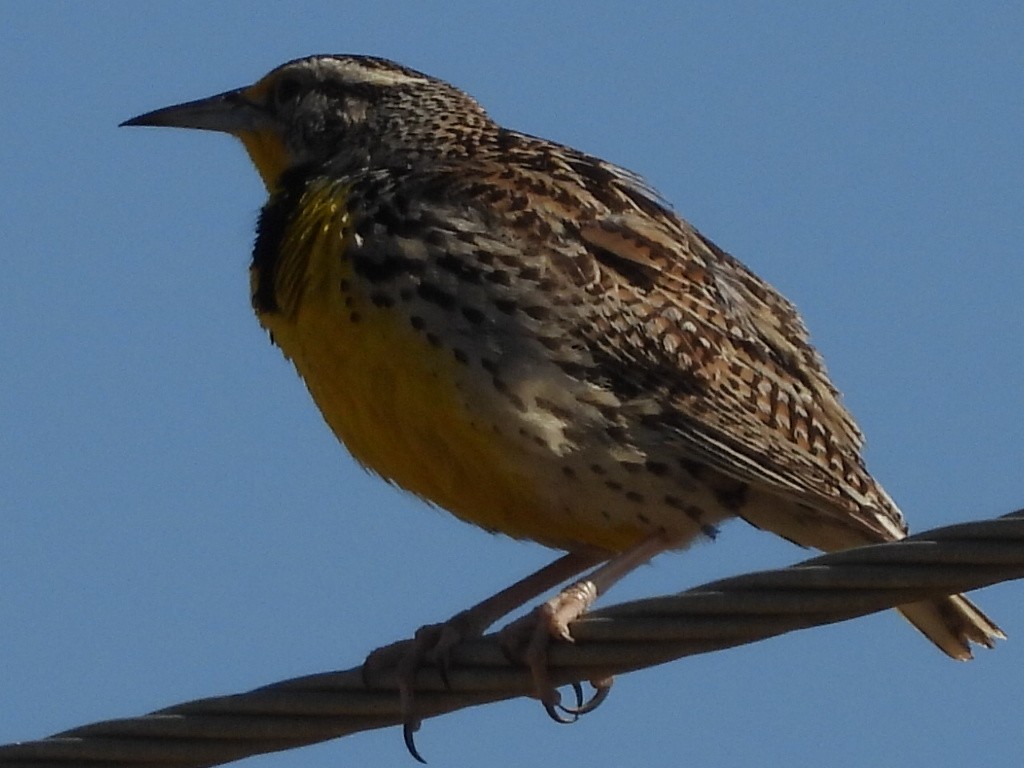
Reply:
x=435, y=385
x=409, y=398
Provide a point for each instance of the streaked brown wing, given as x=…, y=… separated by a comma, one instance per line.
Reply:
x=746, y=391
x=669, y=318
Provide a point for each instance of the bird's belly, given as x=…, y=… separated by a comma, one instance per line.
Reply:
x=409, y=410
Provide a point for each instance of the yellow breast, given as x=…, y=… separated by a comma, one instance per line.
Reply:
x=397, y=402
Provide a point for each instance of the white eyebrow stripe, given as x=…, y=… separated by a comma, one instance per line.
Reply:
x=356, y=71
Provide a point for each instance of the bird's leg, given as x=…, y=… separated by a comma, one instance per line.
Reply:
x=533, y=633
x=433, y=643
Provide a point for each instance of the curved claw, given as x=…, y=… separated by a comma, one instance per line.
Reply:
x=578, y=690
x=430, y=645
x=408, y=735
x=410, y=723
x=601, y=690
x=555, y=713
x=556, y=708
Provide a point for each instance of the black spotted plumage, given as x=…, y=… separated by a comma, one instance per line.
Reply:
x=642, y=384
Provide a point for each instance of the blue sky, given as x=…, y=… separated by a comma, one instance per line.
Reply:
x=176, y=520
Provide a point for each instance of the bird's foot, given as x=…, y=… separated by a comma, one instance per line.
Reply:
x=526, y=641
x=431, y=645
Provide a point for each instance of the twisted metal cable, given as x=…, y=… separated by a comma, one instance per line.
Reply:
x=718, y=615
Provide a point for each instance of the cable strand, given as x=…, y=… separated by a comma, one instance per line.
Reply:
x=613, y=640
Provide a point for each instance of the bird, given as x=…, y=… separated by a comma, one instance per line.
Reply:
x=529, y=337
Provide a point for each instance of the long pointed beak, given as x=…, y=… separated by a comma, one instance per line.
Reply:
x=228, y=112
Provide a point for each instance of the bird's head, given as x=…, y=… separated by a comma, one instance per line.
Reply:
x=357, y=112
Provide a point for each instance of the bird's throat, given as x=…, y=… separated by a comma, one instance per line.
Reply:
x=268, y=154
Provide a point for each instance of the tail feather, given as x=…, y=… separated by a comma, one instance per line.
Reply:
x=953, y=623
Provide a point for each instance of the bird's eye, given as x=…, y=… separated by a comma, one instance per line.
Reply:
x=286, y=90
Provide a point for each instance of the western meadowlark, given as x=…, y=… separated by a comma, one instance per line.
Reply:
x=529, y=337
